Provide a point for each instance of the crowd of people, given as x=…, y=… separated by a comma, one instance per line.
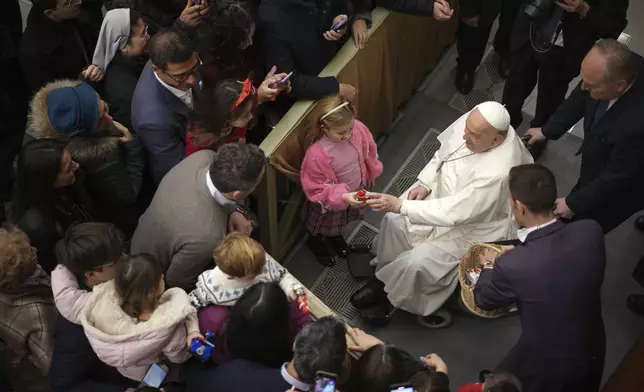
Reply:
x=130, y=245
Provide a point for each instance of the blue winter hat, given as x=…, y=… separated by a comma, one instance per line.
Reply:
x=73, y=110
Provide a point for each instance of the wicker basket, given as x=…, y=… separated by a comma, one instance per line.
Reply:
x=474, y=259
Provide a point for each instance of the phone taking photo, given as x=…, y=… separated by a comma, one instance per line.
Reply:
x=401, y=388
x=324, y=382
x=340, y=24
x=155, y=376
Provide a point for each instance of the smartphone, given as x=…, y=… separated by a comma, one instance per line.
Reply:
x=401, y=388
x=285, y=78
x=196, y=2
x=324, y=382
x=340, y=24
x=155, y=376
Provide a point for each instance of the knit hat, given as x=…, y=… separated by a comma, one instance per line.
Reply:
x=495, y=114
x=73, y=110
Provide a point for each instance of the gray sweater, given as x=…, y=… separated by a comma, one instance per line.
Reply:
x=184, y=223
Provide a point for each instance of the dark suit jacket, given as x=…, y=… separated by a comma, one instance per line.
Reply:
x=610, y=186
x=555, y=279
x=235, y=376
x=160, y=119
x=606, y=18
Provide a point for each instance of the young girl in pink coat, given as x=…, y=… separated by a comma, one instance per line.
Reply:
x=341, y=160
x=132, y=321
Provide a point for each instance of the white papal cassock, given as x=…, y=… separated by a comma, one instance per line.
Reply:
x=420, y=248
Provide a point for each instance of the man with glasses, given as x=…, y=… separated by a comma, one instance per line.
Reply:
x=56, y=44
x=163, y=98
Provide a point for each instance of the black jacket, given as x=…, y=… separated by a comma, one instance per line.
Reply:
x=159, y=14
x=605, y=19
x=487, y=10
x=51, y=50
x=45, y=226
x=76, y=368
x=611, y=181
x=291, y=38
x=119, y=83
x=235, y=376
x=555, y=279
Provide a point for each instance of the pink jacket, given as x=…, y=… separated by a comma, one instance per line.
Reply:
x=130, y=346
x=320, y=182
x=69, y=298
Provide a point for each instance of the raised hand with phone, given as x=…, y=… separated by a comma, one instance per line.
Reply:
x=193, y=12
x=338, y=28
x=273, y=85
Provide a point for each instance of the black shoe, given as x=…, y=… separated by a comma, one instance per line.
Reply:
x=339, y=245
x=464, y=81
x=373, y=293
x=439, y=319
x=322, y=251
x=504, y=68
x=635, y=303
x=639, y=223
x=483, y=375
x=378, y=315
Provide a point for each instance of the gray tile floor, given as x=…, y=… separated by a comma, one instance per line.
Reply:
x=471, y=344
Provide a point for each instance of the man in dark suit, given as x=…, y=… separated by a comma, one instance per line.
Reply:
x=555, y=278
x=553, y=47
x=163, y=98
x=609, y=99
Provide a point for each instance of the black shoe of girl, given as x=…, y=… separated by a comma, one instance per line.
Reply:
x=322, y=251
x=339, y=245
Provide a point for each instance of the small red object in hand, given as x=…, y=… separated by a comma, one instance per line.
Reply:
x=361, y=195
x=302, y=301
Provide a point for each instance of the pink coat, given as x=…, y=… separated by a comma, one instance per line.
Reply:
x=320, y=182
x=132, y=347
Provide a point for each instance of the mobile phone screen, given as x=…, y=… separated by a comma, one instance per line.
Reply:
x=155, y=376
x=401, y=388
x=339, y=25
x=324, y=383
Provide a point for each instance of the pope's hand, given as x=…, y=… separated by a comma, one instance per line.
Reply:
x=418, y=193
x=384, y=202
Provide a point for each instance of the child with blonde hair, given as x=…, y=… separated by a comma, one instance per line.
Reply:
x=240, y=262
x=341, y=159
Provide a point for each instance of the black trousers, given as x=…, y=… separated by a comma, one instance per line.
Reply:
x=554, y=71
x=471, y=41
x=539, y=374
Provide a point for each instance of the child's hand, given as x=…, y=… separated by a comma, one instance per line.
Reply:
x=360, y=33
x=349, y=198
x=193, y=335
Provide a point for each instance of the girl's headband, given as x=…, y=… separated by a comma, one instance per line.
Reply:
x=340, y=106
x=246, y=90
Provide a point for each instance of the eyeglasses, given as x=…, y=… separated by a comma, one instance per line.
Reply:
x=144, y=35
x=182, y=77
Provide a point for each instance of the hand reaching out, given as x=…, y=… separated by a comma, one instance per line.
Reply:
x=435, y=362
x=418, y=193
x=363, y=341
x=238, y=222
x=384, y=202
x=192, y=14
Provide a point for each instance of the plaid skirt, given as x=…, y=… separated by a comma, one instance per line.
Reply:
x=329, y=223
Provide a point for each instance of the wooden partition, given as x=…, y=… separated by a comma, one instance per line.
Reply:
x=401, y=51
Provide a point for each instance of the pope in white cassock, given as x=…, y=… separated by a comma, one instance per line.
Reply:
x=461, y=198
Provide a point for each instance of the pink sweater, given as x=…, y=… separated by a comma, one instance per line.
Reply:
x=320, y=182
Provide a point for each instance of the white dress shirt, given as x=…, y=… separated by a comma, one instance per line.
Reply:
x=218, y=196
x=184, y=96
x=523, y=233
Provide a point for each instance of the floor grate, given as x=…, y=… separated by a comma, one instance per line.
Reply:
x=336, y=284
x=408, y=173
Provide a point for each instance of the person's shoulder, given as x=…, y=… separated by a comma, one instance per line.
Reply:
x=586, y=227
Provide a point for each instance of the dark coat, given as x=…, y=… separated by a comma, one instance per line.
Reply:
x=76, y=368
x=160, y=120
x=611, y=181
x=487, y=10
x=51, y=50
x=235, y=376
x=45, y=226
x=555, y=279
x=119, y=83
x=291, y=38
x=605, y=19
x=159, y=14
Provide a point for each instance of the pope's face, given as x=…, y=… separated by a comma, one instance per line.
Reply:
x=479, y=135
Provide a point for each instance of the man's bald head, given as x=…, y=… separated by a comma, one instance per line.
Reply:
x=608, y=69
x=486, y=127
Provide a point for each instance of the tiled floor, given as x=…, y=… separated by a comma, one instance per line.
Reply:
x=471, y=344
